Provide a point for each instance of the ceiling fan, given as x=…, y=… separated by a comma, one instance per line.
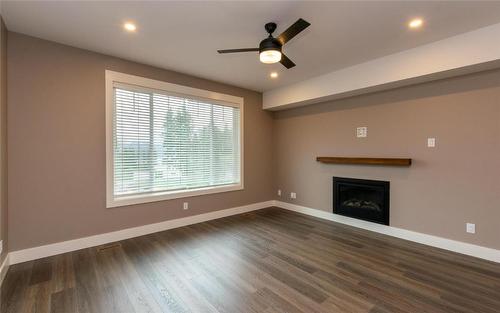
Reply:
x=270, y=49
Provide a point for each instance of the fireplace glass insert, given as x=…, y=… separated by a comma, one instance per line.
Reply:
x=362, y=199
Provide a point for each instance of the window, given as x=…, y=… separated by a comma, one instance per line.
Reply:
x=168, y=141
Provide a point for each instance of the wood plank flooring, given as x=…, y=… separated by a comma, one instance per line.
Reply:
x=270, y=260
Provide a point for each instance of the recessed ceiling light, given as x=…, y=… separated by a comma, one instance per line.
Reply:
x=129, y=27
x=273, y=75
x=416, y=23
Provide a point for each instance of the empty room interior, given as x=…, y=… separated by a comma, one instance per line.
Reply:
x=250, y=156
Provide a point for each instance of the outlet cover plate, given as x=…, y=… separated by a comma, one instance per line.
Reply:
x=431, y=142
x=470, y=228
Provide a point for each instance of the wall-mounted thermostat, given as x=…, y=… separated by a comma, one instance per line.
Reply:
x=362, y=132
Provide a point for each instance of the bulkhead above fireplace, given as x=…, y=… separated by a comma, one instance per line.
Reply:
x=362, y=199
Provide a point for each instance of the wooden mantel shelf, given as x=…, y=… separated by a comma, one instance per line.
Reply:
x=365, y=161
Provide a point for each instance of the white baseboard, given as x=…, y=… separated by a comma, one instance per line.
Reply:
x=4, y=268
x=20, y=256
x=434, y=241
x=96, y=240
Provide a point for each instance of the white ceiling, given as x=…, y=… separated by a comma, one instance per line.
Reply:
x=184, y=36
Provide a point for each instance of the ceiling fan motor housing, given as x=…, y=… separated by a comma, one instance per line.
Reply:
x=270, y=43
x=270, y=27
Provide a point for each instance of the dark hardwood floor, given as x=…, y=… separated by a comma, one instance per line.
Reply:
x=270, y=260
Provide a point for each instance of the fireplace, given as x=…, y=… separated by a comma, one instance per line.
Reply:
x=362, y=199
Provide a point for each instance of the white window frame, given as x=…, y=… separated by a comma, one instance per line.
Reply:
x=116, y=78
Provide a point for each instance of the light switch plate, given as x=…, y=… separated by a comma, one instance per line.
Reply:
x=470, y=228
x=279, y=192
x=1, y=246
x=185, y=206
x=431, y=142
x=362, y=132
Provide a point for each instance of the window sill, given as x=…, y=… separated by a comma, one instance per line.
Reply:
x=169, y=195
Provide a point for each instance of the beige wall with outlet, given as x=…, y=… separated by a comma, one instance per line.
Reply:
x=56, y=135
x=56, y=150
x=453, y=183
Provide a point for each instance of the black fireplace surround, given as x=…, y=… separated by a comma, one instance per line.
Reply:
x=362, y=199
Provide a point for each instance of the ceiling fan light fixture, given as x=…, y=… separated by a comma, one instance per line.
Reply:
x=270, y=48
x=270, y=56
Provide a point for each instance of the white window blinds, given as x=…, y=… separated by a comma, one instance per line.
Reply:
x=165, y=142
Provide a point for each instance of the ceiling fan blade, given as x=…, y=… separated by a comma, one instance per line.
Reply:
x=293, y=30
x=238, y=50
x=286, y=61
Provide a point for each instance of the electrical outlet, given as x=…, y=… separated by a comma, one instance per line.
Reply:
x=362, y=132
x=293, y=195
x=431, y=142
x=185, y=205
x=279, y=192
x=470, y=228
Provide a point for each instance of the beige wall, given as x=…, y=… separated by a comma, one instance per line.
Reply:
x=3, y=139
x=447, y=186
x=56, y=135
x=56, y=149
